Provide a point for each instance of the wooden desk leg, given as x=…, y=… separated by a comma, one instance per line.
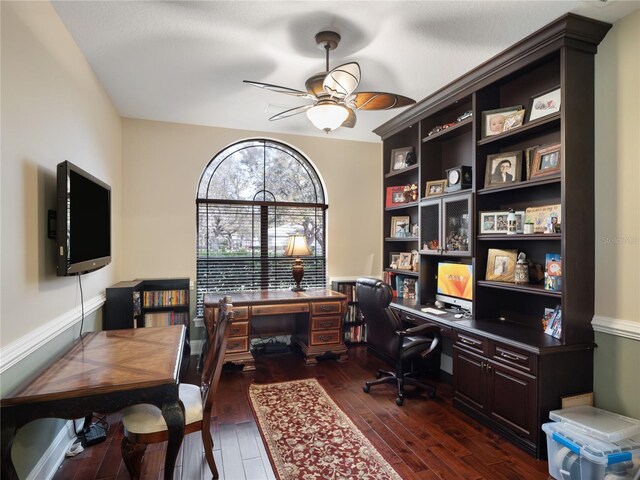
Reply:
x=8, y=434
x=173, y=414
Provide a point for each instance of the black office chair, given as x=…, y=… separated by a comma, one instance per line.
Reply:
x=387, y=338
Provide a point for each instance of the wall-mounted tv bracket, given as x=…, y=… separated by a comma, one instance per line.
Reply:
x=51, y=224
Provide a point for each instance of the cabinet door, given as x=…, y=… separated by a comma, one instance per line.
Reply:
x=456, y=226
x=513, y=399
x=469, y=379
x=430, y=227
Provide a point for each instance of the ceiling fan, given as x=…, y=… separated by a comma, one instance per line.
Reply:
x=333, y=93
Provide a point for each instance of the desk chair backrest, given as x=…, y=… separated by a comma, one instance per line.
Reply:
x=374, y=297
x=214, y=357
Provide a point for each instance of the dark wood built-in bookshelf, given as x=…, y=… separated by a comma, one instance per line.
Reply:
x=506, y=371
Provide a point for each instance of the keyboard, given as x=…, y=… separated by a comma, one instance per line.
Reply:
x=435, y=311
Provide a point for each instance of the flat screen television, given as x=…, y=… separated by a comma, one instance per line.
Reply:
x=83, y=231
x=455, y=284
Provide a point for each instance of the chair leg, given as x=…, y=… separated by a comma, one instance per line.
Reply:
x=132, y=454
x=207, y=442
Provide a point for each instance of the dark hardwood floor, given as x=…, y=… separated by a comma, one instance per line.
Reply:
x=424, y=439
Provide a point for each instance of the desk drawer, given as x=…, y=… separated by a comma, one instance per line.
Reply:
x=239, y=329
x=513, y=357
x=325, y=323
x=279, y=309
x=326, y=308
x=239, y=344
x=324, y=337
x=239, y=313
x=470, y=342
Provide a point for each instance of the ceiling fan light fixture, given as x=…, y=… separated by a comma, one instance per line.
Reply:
x=327, y=115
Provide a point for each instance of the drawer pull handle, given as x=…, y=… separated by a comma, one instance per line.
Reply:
x=510, y=357
x=326, y=324
x=324, y=338
x=326, y=308
x=468, y=342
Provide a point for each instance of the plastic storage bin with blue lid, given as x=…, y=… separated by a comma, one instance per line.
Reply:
x=597, y=423
x=574, y=455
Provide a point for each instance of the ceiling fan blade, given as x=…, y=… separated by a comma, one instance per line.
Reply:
x=291, y=112
x=280, y=89
x=377, y=101
x=350, y=122
x=342, y=80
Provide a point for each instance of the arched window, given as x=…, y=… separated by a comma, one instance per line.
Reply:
x=251, y=196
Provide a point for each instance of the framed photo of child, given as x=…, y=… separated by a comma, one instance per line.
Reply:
x=493, y=121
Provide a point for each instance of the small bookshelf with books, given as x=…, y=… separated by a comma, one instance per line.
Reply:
x=355, y=326
x=145, y=303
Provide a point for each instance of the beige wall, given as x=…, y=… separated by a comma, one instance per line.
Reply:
x=163, y=162
x=53, y=109
x=617, y=282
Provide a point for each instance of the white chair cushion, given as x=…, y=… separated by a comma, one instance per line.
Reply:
x=146, y=418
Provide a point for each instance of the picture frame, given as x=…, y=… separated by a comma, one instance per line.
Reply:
x=546, y=160
x=394, y=260
x=404, y=261
x=434, y=188
x=544, y=103
x=495, y=222
x=398, y=159
x=497, y=175
x=513, y=120
x=488, y=222
x=501, y=265
x=528, y=160
x=545, y=219
x=400, y=226
x=395, y=196
x=493, y=120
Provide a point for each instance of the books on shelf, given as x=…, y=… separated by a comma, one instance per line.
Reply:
x=554, y=323
x=164, y=319
x=356, y=334
x=165, y=298
x=553, y=272
x=352, y=315
x=348, y=289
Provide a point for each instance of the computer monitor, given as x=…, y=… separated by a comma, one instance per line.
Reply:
x=455, y=284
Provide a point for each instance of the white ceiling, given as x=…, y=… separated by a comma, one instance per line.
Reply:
x=184, y=62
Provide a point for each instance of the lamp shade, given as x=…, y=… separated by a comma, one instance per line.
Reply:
x=327, y=115
x=297, y=246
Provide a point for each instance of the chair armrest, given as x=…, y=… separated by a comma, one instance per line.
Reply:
x=425, y=327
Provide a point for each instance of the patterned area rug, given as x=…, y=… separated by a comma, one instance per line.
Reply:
x=308, y=436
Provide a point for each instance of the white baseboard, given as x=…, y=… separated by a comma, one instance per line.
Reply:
x=616, y=326
x=27, y=344
x=51, y=460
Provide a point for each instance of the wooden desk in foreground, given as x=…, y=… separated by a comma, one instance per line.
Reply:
x=314, y=321
x=103, y=372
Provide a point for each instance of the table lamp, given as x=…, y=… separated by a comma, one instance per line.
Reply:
x=297, y=247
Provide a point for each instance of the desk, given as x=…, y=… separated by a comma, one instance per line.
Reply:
x=103, y=372
x=316, y=327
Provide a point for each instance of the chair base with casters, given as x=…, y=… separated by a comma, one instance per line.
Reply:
x=385, y=376
x=388, y=339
